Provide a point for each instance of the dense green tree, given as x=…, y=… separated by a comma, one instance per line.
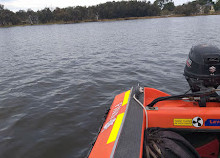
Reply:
x=59, y=14
x=92, y=13
x=217, y=5
x=108, y=10
x=203, y=2
x=1, y=7
x=45, y=15
x=82, y=12
x=124, y=9
x=169, y=6
x=8, y=17
x=187, y=9
x=22, y=15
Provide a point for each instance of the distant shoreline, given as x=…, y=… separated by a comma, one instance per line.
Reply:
x=105, y=20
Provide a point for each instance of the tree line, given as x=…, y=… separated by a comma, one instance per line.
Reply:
x=108, y=10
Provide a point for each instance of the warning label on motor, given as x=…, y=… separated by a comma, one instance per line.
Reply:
x=182, y=122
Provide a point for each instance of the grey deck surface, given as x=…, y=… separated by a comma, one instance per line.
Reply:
x=130, y=139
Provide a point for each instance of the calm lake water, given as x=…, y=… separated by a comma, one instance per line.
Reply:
x=56, y=81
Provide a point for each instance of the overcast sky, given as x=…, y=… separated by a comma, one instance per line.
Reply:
x=15, y=5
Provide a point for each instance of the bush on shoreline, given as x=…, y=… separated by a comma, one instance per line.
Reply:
x=108, y=10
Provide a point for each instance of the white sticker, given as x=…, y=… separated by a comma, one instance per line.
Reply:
x=197, y=122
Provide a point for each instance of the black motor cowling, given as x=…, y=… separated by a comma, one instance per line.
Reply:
x=202, y=68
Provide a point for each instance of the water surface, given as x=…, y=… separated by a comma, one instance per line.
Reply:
x=56, y=81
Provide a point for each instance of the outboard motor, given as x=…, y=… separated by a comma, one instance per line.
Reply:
x=202, y=68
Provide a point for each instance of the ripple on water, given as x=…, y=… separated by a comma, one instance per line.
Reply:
x=56, y=81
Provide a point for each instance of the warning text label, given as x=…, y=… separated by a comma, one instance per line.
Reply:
x=182, y=122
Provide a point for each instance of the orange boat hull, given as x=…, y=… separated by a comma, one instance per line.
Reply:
x=174, y=114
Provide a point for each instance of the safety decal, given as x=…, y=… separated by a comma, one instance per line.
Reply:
x=126, y=97
x=113, y=117
x=108, y=124
x=197, y=122
x=115, y=129
x=182, y=122
x=212, y=122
